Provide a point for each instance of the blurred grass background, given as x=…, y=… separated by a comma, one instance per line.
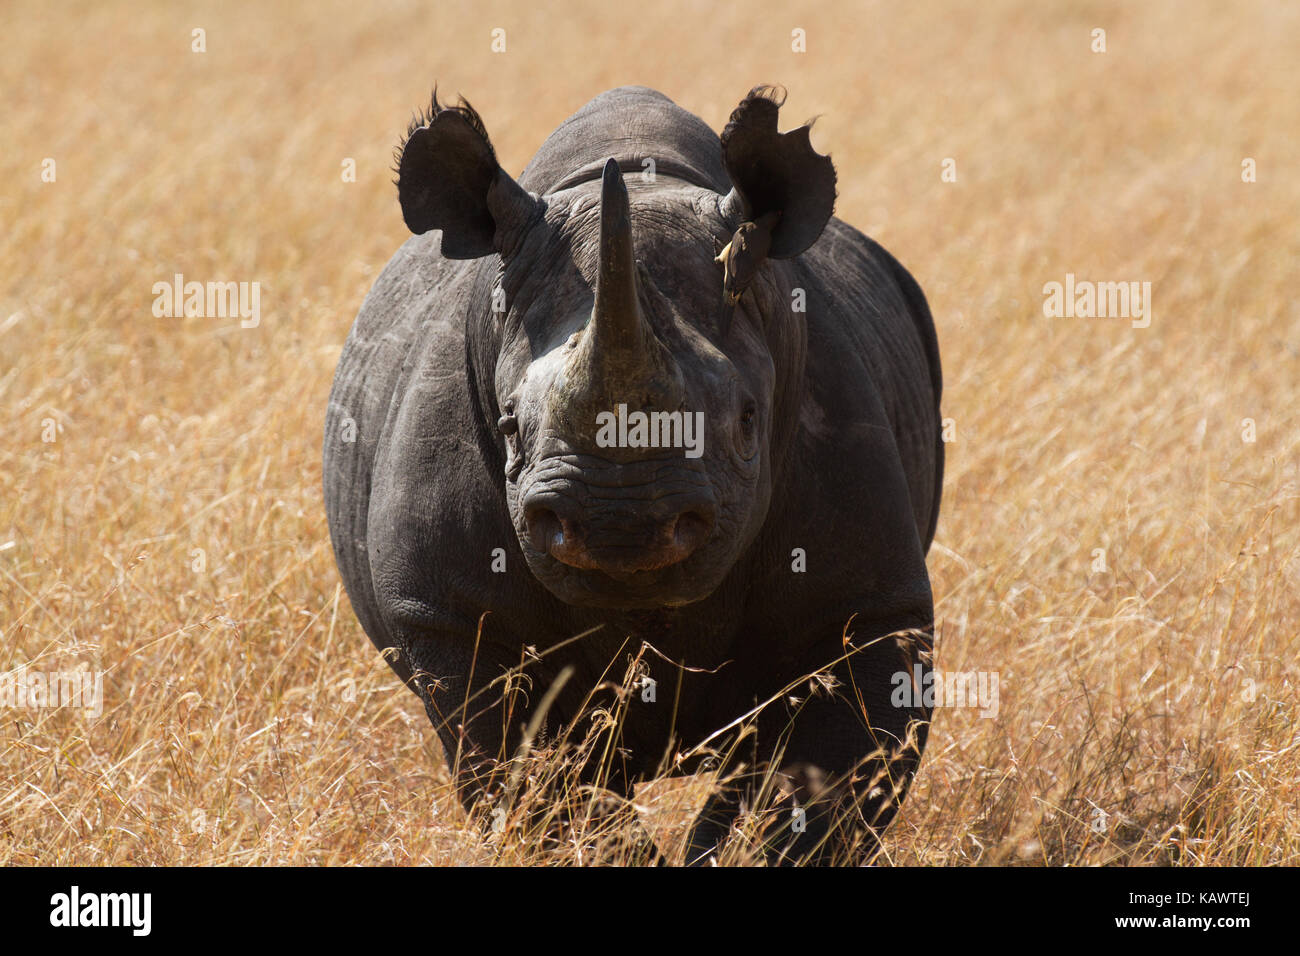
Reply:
x=248, y=720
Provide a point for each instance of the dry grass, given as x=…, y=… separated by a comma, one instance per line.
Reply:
x=248, y=720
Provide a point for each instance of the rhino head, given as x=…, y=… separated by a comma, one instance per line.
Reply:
x=644, y=352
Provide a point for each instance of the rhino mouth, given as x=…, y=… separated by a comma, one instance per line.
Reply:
x=624, y=550
x=618, y=534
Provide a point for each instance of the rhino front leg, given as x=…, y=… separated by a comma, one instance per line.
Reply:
x=476, y=702
x=835, y=765
x=481, y=704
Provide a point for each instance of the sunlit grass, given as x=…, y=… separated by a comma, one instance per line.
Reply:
x=173, y=533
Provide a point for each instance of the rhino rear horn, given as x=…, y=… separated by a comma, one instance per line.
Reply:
x=778, y=179
x=448, y=178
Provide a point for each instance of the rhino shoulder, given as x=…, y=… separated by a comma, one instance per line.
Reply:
x=413, y=316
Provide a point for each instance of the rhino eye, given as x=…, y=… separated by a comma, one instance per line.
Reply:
x=747, y=416
x=507, y=424
x=748, y=438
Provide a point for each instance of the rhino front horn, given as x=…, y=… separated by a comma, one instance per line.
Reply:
x=619, y=358
x=618, y=329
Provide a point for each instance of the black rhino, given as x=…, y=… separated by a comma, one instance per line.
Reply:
x=652, y=391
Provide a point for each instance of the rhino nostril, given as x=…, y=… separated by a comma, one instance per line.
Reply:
x=545, y=530
x=690, y=531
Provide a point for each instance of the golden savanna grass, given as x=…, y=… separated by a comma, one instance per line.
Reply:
x=173, y=535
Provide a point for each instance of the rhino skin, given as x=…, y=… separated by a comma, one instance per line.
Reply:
x=474, y=510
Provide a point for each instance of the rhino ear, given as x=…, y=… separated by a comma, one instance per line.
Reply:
x=777, y=173
x=448, y=178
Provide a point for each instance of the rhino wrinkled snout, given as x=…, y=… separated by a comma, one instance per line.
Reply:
x=621, y=541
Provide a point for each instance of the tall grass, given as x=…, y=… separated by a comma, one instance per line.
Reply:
x=172, y=532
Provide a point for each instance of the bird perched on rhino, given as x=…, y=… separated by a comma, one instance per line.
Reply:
x=748, y=249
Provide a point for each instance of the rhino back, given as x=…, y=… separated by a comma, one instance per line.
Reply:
x=872, y=329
